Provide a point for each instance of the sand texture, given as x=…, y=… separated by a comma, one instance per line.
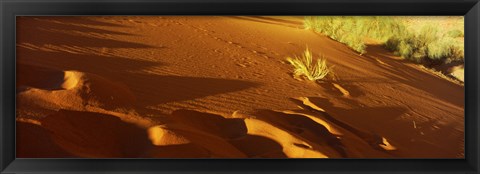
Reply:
x=220, y=87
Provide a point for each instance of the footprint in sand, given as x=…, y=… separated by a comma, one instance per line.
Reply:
x=236, y=44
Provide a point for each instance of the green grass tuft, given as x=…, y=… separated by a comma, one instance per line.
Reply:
x=307, y=67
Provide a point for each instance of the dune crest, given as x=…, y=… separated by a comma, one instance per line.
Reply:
x=71, y=79
x=162, y=137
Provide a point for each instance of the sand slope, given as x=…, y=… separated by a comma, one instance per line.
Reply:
x=202, y=87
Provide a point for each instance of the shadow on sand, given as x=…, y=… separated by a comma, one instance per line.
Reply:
x=40, y=31
x=401, y=72
x=150, y=89
x=270, y=20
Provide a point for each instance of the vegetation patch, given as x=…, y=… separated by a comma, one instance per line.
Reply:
x=306, y=66
x=352, y=30
x=431, y=44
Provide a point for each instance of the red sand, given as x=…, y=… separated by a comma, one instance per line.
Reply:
x=176, y=87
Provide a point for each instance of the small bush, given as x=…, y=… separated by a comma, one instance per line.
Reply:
x=352, y=30
x=430, y=44
x=306, y=66
x=426, y=46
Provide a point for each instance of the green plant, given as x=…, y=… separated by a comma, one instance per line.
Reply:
x=352, y=30
x=306, y=66
x=338, y=28
x=430, y=43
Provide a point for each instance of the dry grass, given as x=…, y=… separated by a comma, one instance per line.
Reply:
x=305, y=66
x=352, y=30
x=429, y=45
x=426, y=40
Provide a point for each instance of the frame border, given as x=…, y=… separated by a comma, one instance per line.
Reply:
x=12, y=8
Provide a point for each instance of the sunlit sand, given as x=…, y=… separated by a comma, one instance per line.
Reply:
x=221, y=87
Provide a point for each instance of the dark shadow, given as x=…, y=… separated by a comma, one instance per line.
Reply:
x=90, y=63
x=366, y=117
x=33, y=141
x=89, y=134
x=69, y=133
x=66, y=24
x=440, y=88
x=350, y=119
x=304, y=126
x=368, y=123
x=154, y=89
x=299, y=23
x=398, y=71
x=227, y=128
x=81, y=20
x=38, y=77
x=262, y=20
x=46, y=32
x=232, y=130
x=150, y=89
x=189, y=150
x=258, y=147
x=440, y=130
x=349, y=81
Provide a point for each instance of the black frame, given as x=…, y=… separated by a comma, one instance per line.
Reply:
x=11, y=8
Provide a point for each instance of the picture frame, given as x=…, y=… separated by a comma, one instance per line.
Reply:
x=12, y=8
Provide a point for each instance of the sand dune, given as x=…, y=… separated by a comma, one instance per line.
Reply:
x=220, y=87
x=51, y=89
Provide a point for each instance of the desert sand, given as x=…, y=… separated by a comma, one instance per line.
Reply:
x=220, y=87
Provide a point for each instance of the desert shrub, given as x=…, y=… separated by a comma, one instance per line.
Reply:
x=429, y=44
x=440, y=49
x=380, y=27
x=401, y=46
x=426, y=46
x=352, y=30
x=308, y=67
x=339, y=28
